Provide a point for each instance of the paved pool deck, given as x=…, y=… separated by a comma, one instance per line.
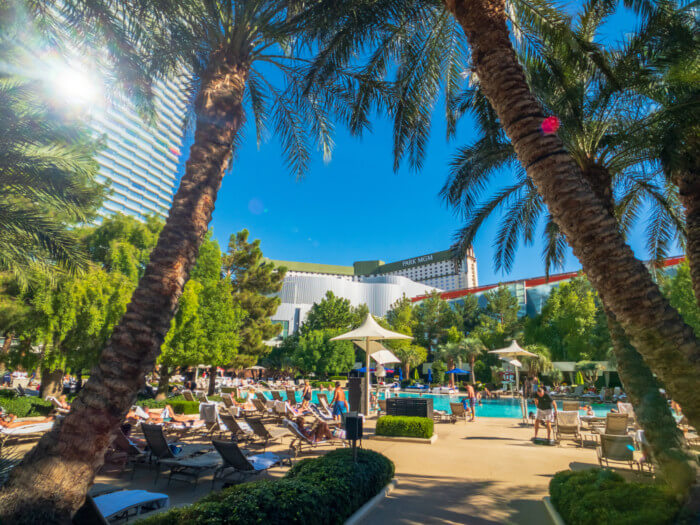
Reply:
x=485, y=472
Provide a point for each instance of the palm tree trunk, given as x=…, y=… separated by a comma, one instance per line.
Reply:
x=653, y=415
x=53, y=478
x=212, y=381
x=657, y=331
x=6, y=345
x=689, y=191
x=472, y=360
x=163, y=383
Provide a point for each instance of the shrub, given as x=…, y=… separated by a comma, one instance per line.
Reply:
x=601, y=497
x=179, y=404
x=25, y=406
x=319, y=491
x=322, y=384
x=338, y=378
x=405, y=426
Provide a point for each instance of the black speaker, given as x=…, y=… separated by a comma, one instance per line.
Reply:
x=356, y=392
x=353, y=426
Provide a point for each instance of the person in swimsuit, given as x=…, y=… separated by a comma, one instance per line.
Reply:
x=9, y=421
x=318, y=432
x=306, y=396
x=472, y=401
x=339, y=404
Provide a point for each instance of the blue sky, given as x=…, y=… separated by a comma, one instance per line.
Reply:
x=356, y=207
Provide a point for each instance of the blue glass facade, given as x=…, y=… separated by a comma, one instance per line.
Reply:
x=140, y=161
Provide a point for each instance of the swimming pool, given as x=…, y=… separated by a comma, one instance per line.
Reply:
x=507, y=407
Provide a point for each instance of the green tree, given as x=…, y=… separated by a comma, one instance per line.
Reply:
x=47, y=178
x=330, y=314
x=439, y=368
x=434, y=317
x=315, y=352
x=498, y=321
x=679, y=290
x=542, y=364
x=254, y=281
x=411, y=356
x=468, y=309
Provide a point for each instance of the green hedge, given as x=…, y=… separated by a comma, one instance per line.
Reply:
x=603, y=497
x=27, y=406
x=405, y=426
x=319, y=491
x=338, y=378
x=322, y=384
x=179, y=404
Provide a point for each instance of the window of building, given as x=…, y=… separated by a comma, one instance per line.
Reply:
x=285, y=328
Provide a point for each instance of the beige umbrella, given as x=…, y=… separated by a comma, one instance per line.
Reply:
x=368, y=333
x=509, y=354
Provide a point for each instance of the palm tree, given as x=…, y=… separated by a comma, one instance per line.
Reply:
x=655, y=328
x=592, y=120
x=225, y=46
x=473, y=348
x=540, y=364
x=47, y=181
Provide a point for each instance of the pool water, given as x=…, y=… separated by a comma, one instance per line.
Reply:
x=507, y=407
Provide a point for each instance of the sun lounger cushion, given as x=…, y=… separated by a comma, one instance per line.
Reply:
x=116, y=502
x=182, y=426
x=27, y=429
x=263, y=461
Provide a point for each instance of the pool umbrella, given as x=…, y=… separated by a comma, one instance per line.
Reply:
x=400, y=374
x=369, y=332
x=430, y=376
x=509, y=354
x=457, y=371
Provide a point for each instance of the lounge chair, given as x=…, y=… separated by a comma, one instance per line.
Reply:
x=226, y=398
x=323, y=401
x=292, y=396
x=240, y=430
x=202, y=397
x=615, y=425
x=190, y=468
x=323, y=415
x=208, y=413
x=27, y=431
x=442, y=416
x=132, y=454
x=300, y=441
x=568, y=423
x=276, y=396
x=187, y=394
x=262, y=408
x=570, y=406
x=118, y=505
x=382, y=405
x=616, y=448
x=458, y=412
x=242, y=465
x=265, y=432
x=57, y=406
x=161, y=450
x=578, y=391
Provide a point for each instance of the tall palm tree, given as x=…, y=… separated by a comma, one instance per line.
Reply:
x=473, y=349
x=656, y=329
x=592, y=119
x=230, y=50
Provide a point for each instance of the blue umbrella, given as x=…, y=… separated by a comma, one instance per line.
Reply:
x=400, y=374
x=430, y=375
x=364, y=369
x=457, y=371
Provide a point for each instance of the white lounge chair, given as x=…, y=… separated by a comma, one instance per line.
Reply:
x=119, y=505
x=25, y=431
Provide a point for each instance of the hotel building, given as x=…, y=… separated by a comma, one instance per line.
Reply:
x=140, y=161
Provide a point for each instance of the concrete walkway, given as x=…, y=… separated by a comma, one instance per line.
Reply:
x=486, y=472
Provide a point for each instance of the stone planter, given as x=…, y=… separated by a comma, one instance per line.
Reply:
x=401, y=439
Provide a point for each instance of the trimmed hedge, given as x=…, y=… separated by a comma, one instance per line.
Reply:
x=405, y=426
x=338, y=378
x=179, y=404
x=319, y=491
x=322, y=384
x=27, y=406
x=603, y=497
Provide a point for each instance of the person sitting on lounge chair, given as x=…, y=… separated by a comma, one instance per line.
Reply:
x=318, y=432
x=63, y=401
x=9, y=421
x=589, y=410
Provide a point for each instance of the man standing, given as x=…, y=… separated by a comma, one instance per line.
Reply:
x=339, y=403
x=472, y=400
x=546, y=411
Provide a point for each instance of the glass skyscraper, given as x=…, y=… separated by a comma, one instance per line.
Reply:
x=140, y=161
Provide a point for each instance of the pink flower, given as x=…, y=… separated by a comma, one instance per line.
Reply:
x=550, y=125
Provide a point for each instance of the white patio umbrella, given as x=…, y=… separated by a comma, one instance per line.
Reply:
x=509, y=354
x=368, y=333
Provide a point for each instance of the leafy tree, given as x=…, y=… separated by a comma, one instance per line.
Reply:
x=253, y=281
x=679, y=290
x=589, y=370
x=315, y=352
x=281, y=358
x=468, y=309
x=434, y=317
x=540, y=364
x=330, y=314
x=411, y=355
x=498, y=321
x=439, y=368
x=571, y=324
x=401, y=318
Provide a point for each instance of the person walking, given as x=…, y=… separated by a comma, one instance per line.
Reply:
x=471, y=394
x=306, y=396
x=546, y=412
x=339, y=404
